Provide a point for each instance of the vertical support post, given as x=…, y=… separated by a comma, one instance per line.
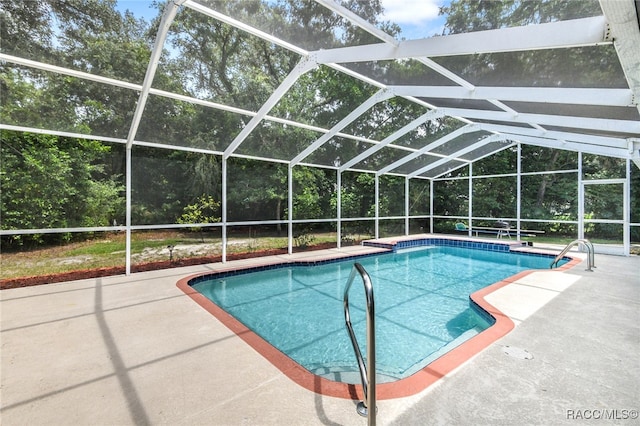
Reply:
x=224, y=209
x=338, y=208
x=290, y=208
x=128, y=161
x=406, y=206
x=518, y=189
x=470, y=209
x=377, y=206
x=431, y=206
x=169, y=13
x=626, y=208
x=580, y=199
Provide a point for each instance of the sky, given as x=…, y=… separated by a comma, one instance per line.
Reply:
x=140, y=8
x=417, y=18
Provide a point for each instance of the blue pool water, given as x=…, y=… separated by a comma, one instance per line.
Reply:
x=421, y=298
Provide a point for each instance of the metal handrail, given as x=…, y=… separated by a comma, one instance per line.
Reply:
x=368, y=373
x=591, y=258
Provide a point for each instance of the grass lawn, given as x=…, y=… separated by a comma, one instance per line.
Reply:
x=109, y=251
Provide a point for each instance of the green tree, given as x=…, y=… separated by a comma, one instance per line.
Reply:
x=256, y=190
x=84, y=35
x=163, y=182
x=204, y=210
x=54, y=182
x=313, y=189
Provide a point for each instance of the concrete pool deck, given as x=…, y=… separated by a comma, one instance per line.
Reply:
x=137, y=350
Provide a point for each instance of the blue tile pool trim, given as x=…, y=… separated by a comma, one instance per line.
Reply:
x=450, y=242
x=443, y=242
x=224, y=274
x=391, y=247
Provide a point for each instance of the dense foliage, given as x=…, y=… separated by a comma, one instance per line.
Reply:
x=59, y=182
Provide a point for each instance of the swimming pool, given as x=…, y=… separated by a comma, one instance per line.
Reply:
x=422, y=294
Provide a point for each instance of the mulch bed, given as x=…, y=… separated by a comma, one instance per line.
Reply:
x=143, y=267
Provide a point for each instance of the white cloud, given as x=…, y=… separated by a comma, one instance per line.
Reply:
x=412, y=12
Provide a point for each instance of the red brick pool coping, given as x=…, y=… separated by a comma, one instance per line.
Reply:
x=401, y=388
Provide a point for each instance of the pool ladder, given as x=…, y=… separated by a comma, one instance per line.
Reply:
x=591, y=261
x=368, y=373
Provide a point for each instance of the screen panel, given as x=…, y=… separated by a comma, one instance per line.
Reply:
x=51, y=101
x=495, y=197
x=409, y=72
x=256, y=190
x=337, y=151
x=304, y=23
x=211, y=60
x=185, y=124
x=381, y=158
x=550, y=196
x=429, y=132
x=538, y=159
x=104, y=39
x=443, y=169
x=572, y=110
x=51, y=181
x=463, y=141
x=391, y=196
x=277, y=141
x=322, y=97
x=419, y=195
x=167, y=184
x=451, y=197
x=599, y=68
x=384, y=118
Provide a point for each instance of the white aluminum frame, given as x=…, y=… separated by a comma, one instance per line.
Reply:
x=616, y=26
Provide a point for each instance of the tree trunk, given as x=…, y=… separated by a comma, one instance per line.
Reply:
x=546, y=178
x=279, y=225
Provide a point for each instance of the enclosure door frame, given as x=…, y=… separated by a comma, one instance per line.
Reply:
x=624, y=221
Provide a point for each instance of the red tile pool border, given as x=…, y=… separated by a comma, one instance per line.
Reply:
x=401, y=388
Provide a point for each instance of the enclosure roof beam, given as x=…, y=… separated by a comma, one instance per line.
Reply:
x=466, y=163
x=360, y=22
x=616, y=97
x=169, y=13
x=424, y=150
x=371, y=29
x=242, y=26
x=431, y=115
x=634, y=150
x=623, y=18
x=248, y=113
x=602, y=97
x=66, y=71
x=618, y=143
x=571, y=33
x=377, y=97
x=601, y=124
x=572, y=146
x=463, y=151
x=74, y=135
x=347, y=14
x=171, y=95
x=305, y=65
x=272, y=39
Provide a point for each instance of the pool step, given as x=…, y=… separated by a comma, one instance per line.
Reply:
x=348, y=374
